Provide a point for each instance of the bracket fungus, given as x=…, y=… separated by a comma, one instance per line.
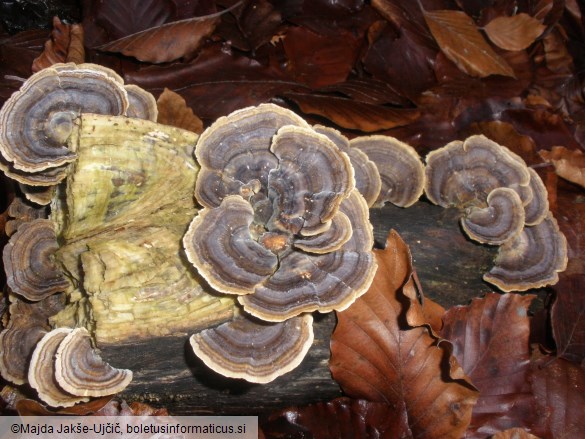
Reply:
x=80, y=371
x=122, y=201
x=37, y=120
x=255, y=351
x=503, y=202
x=402, y=172
x=283, y=228
x=367, y=176
x=28, y=261
x=41, y=372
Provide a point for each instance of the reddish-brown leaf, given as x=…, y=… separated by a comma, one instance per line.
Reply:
x=318, y=60
x=569, y=164
x=490, y=340
x=568, y=317
x=414, y=73
x=167, y=42
x=461, y=41
x=558, y=386
x=173, y=110
x=65, y=45
x=375, y=358
x=342, y=418
x=514, y=33
x=351, y=114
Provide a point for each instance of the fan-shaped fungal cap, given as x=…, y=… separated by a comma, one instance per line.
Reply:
x=41, y=372
x=37, y=120
x=367, y=177
x=461, y=172
x=306, y=282
x=312, y=179
x=16, y=345
x=80, y=371
x=532, y=259
x=500, y=221
x=28, y=261
x=235, y=151
x=400, y=167
x=21, y=211
x=253, y=350
x=219, y=243
x=141, y=104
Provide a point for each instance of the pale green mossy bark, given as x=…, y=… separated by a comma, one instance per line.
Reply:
x=127, y=202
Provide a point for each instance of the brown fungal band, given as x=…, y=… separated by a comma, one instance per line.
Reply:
x=41, y=371
x=253, y=350
x=29, y=262
x=80, y=371
x=401, y=170
x=38, y=119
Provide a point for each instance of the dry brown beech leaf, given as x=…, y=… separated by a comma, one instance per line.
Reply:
x=375, y=358
x=350, y=114
x=514, y=33
x=173, y=110
x=490, y=341
x=55, y=48
x=167, y=42
x=568, y=317
x=558, y=386
x=422, y=310
x=569, y=164
x=461, y=41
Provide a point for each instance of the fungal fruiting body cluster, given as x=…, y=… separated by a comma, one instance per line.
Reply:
x=504, y=203
x=283, y=228
x=148, y=223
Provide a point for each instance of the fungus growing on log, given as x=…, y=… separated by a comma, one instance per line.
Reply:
x=253, y=350
x=41, y=371
x=503, y=202
x=80, y=371
x=27, y=324
x=141, y=104
x=21, y=211
x=283, y=227
x=367, y=176
x=38, y=120
x=295, y=248
x=501, y=220
x=401, y=170
x=532, y=259
x=29, y=261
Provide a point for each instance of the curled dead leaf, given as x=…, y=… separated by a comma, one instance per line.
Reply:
x=167, y=42
x=351, y=114
x=514, y=33
x=173, y=110
x=375, y=356
x=460, y=40
x=65, y=44
x=569, y=164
